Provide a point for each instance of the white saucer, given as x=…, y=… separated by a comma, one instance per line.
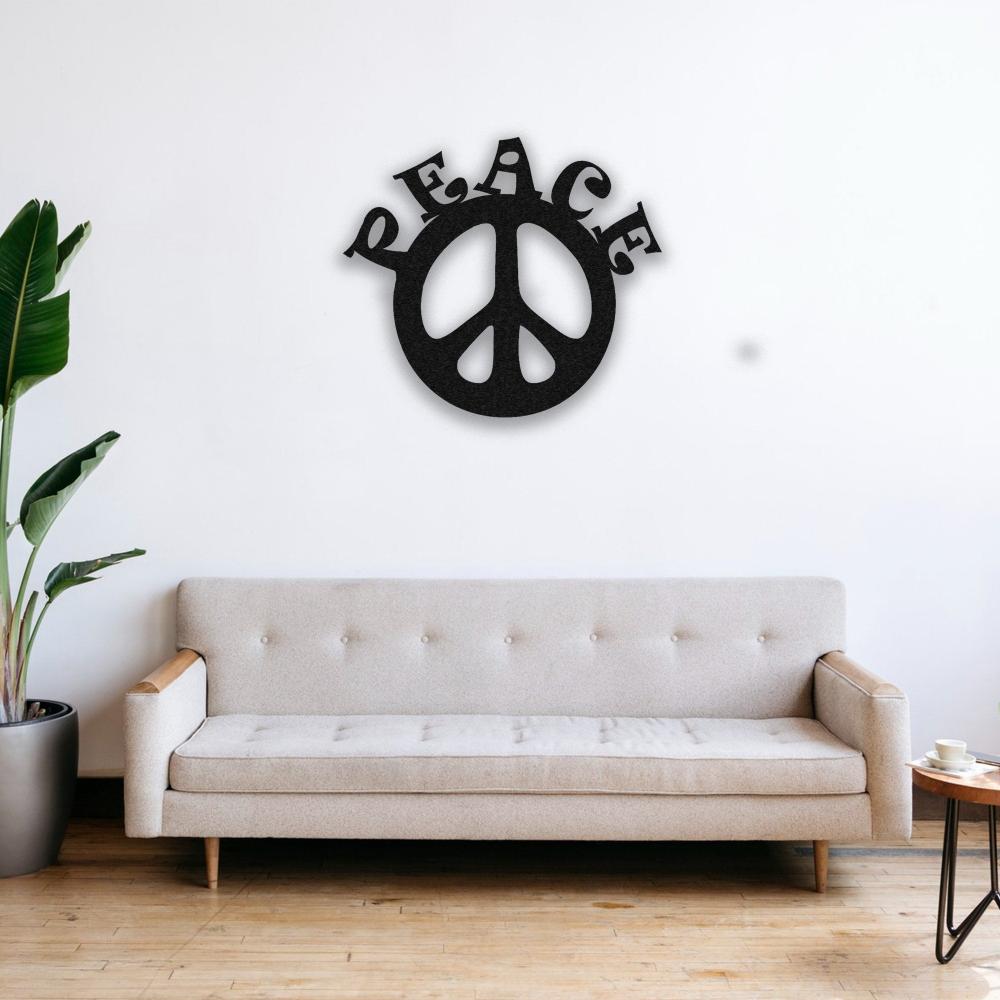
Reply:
x=964, y=763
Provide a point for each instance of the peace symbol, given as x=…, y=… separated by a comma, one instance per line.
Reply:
x=506, y=393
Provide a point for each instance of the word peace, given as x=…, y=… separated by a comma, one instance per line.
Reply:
x=510, y=163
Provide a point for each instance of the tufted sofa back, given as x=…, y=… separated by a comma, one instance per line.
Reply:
x=737, y=648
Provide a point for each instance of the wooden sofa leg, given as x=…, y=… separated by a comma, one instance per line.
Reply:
x=212, y=862
x=821, y=861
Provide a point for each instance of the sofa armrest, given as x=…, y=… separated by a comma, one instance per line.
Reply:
x=161, y=712
x=872, y=716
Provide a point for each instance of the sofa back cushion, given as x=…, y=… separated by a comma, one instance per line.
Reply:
x=724, y=648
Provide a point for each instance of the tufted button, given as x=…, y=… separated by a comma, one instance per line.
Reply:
x=264, y=639
x=344, y=639
x=425, y=638
x=593, y=637
x=508, y=639
x=761, y=638
x=674, y=637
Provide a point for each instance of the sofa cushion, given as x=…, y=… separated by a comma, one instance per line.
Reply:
x=494, y=753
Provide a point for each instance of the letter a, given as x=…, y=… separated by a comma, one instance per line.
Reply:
x=511, y=159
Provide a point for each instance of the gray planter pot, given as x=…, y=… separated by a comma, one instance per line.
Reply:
x=37, y=781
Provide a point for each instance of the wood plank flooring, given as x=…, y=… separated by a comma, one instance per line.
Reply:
x=122, y=919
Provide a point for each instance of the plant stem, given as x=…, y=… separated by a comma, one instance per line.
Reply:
x=22, y=590
x=5, y=447
x=23, y=633
x=31, y=641
x=12, y=704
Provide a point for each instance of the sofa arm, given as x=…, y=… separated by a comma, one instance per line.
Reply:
x=161, y=712
x=872, y=716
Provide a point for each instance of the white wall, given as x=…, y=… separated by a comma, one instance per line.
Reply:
x=824, y=178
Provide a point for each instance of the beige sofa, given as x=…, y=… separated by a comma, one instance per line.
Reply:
x=506, y=709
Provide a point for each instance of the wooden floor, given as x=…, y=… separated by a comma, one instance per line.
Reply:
x=122, y=918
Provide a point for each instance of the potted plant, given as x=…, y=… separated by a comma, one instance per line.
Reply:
x=38, y=739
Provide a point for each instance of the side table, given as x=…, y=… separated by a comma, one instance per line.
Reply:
x=983, y=789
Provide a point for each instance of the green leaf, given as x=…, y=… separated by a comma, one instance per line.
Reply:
x=34, y=330
x=53, y=489
x=69, y=248
x=72, y=574
x=40, y=335
x=29, y=251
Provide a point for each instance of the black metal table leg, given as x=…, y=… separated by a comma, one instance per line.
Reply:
x=946, y=893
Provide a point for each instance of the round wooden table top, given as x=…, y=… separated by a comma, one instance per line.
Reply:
x=983, y=789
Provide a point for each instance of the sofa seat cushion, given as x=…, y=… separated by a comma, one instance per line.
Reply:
x=493, y=753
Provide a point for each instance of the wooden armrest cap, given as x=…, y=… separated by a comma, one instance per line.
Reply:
x=166, y=673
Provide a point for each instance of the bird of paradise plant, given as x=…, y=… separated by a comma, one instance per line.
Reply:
x=34, y=345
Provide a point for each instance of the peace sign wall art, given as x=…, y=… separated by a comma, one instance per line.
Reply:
x=600, y=253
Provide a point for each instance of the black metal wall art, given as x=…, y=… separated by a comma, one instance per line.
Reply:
x=450, y=209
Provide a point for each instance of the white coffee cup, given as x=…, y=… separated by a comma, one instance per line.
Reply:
x=950, y=749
